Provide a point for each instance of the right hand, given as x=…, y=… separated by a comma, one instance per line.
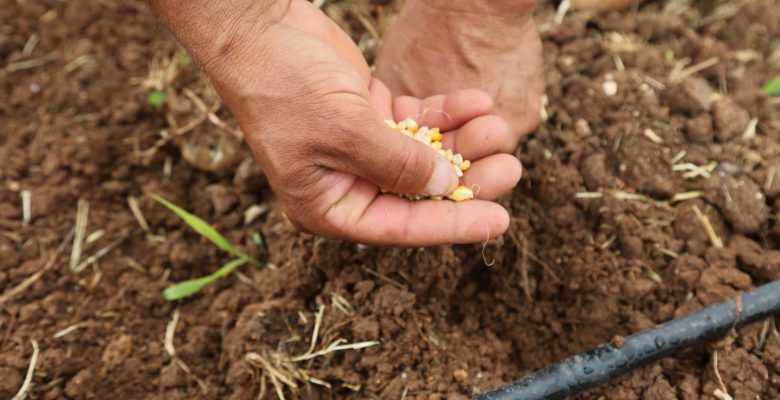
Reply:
x=313, y=117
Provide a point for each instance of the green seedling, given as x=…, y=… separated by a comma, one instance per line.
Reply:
x=773, y=87
x=192, y=286
x=156, y=98
x=258, y=240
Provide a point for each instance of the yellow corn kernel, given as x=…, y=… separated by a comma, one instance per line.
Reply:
x=412, y=125
x=461, y=193
x=465, y=165
x=436, y=135
x=433, y=137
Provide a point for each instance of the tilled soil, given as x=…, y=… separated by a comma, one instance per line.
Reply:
x=648, y=126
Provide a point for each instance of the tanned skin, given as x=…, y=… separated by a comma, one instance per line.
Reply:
x=313, y=116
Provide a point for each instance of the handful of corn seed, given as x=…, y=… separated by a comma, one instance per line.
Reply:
x=432, y=137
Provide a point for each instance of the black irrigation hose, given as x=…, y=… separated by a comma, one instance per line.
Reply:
x=599, y=365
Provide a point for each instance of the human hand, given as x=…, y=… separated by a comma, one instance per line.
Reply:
x=313, y=118
x=492, y=45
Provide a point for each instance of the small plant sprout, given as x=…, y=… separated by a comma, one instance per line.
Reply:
x=192, y=286
x=257, y=239
x=773, y=87
x=433, y=137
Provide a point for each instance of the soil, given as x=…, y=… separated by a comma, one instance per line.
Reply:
x=601, y=244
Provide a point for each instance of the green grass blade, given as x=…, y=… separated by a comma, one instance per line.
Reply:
x=773, y=88
x=192, y=286
x=260, y=243
x=186, y=288
x=203, y=228
x=228, y=268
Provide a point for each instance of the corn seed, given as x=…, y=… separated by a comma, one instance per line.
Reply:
x=465, y=165
x=433, y=137
x=461, y=193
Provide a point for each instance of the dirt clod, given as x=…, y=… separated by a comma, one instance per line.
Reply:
x=691, y=96
x=742, y=203
x=11, y=382
x=117, y=350
x=730, y=119
x=700, y=129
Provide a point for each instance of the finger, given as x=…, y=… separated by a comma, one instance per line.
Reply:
x=406, y=107
x=451, y=111
x=362, y=144
x=381, y=99
x=478, y=138
x=391, y=220
x=445, y=112
x=493, y=176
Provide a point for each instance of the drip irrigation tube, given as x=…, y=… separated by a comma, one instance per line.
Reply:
x=597, y=366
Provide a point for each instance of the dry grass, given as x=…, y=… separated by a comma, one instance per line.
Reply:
x=27, y=384
x=722, y=393
x=170, y=331
x=289, y=374
x=26, y=208
x=708, y=229
x=132, y=202
x=82, y=214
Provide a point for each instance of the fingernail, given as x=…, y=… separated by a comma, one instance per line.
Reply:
x=443, y=179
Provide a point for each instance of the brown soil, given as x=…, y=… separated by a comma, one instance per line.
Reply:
x=573, y=272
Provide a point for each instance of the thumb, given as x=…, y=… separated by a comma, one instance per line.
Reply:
x=391, y=160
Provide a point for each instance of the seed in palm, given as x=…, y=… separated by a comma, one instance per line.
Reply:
x=433, y=137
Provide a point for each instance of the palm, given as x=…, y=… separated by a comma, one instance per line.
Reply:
x=363, y=214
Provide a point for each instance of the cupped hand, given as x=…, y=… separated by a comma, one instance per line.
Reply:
x=314, y=119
